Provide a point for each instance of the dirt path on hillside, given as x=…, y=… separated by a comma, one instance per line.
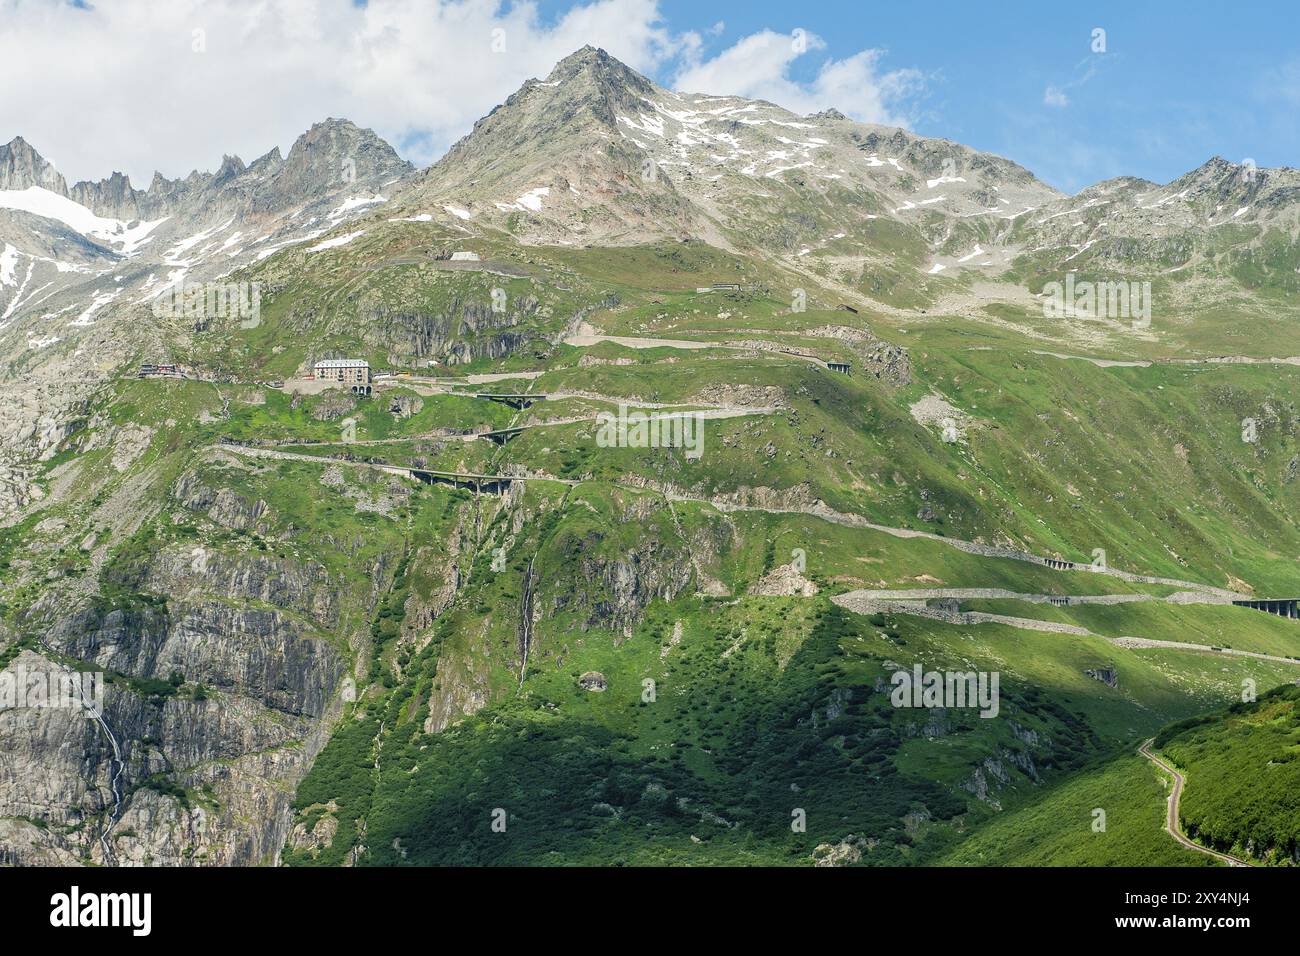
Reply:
x=1100, y=363
x=1171, y=817
x=587, y=336
x=921, y=594
x=856, y=602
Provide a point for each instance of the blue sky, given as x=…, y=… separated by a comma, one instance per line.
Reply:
x=173, y=85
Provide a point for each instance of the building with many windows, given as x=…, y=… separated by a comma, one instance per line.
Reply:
x=353, y=374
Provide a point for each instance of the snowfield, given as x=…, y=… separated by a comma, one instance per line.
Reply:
x=49, y=205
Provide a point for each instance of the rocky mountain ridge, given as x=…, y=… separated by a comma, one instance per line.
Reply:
x=333, y=152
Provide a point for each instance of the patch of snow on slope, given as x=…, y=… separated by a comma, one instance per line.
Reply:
x=336, y=241
x=1082, y=249
x=131, y=238
x=908, y=204
x=811, y=144
x=531, y=200
x=685, y=117
x=458, y=212
x=18, y=297
x=1167, y=200
x=276, y=247
x=355, y=202
x=784, y=169
x=8, y=265
x=98, y=302
x=648, y=124
x=63, y=266
x=173, y=255
x=31, y=301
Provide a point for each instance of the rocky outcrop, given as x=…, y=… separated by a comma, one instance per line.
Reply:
x=22, y=167
x=613, y=591
x=845, y=853
x=1107, y=675
x=405, y=406
x=222, y=505
x=784, y=581
x=887, y=362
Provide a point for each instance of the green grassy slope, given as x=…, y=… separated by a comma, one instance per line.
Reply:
x=1242, y=776
x=1062, y=826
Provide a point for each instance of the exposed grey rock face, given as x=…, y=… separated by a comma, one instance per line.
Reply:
x=1107, y=675
x=465, y=331
x=616, y=594
x=61, y=768
x=404, y=406
x=333, y=155
x=267, y=683
x=21, y=167
x=111, y=197
x=845, y=853
x=222, y=688
x=784, y=581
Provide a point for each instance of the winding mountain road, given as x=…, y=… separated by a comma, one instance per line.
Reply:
x=1171, y=819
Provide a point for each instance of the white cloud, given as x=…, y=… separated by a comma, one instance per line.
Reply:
x=1055, y=96
x=1058, y=95
x=758, y=67
x=121, y=86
